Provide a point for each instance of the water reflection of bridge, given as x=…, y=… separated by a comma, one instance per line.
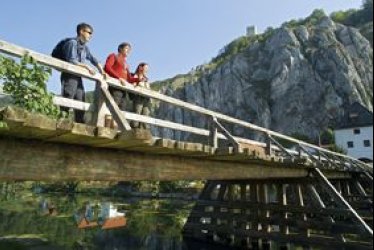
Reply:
x=269, y=193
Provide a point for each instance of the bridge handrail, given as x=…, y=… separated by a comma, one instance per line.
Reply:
x=61, y=101
x=14, y=50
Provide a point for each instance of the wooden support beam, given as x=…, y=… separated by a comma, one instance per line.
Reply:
x=226, y=133
x=39, y=160
x=328, y=159
x=269, y=146
x=369, y=176
x=280, y=146
x=213, y=135
x=114, y=109
x=338, y=196
x=311, y=156
x=100, y=109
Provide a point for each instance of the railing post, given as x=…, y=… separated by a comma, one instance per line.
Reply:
x=213, y=136
x=101, y=110
x=117, y=114
x=269, y=145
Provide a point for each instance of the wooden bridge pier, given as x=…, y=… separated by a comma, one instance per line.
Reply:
x=280, y=213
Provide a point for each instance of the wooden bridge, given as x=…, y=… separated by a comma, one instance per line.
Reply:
x=258, y=193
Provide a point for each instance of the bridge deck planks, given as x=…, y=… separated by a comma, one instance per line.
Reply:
x=22, y=124
x=25, y=159
x=26, y=125
x=125, y=140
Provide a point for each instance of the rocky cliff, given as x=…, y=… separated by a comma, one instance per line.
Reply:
x=292, y=79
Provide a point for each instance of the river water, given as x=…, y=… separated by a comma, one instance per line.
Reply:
x=38, y=222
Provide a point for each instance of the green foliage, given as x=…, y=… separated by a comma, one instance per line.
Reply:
x=3, y=124
x=26, y=81
x=328, y=137
x=367, y=10
x=231, y=49
x=173, y=186
x=160, y=186
x=355, y=18
x=337, y=149
x=314, y=18
x=342, y=16
x=291, y=24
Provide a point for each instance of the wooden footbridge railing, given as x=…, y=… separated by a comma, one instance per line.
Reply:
x=63, y=150
x=319, y=156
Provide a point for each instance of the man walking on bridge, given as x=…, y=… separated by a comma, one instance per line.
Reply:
x=75, y=51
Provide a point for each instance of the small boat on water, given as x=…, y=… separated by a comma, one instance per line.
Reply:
x=108, y=218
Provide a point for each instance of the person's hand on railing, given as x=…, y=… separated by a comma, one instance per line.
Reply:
x=122, y=81
x=102, y=72
x=145, y=85
x=90, y=70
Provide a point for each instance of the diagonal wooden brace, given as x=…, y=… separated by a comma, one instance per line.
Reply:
x=312, y=157
x=117, y=114
x=328, y=158
x=226, y=133
x=335, y=193
x=280, y=146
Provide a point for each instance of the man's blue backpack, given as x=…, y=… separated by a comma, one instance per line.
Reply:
x=58, y=52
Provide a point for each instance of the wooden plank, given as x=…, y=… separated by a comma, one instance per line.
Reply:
x=158, y=146
x=74, y=104
x=135, y=138
x=23, y=124
x=76, y=133
x=40, y=160
x=292, y=238
x=193, y=149
x=117, y=114
x=300, y=225
x=340, y=198
x=276, y=208
x=100, y=108
x=213, y=134
x=178, y=148
x=227, y=134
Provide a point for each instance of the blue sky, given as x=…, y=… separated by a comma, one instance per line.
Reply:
x=173, y=36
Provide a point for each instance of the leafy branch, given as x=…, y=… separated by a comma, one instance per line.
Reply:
x=26, y=81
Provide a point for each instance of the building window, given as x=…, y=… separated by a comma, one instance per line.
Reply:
x=357, y=131
x=351, y=144
x=367, y=143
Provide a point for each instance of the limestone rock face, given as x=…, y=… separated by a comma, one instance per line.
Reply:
x=298, y=80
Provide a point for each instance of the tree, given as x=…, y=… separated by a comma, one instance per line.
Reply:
x=315, y=17
x=26, y=81
x=368, y=10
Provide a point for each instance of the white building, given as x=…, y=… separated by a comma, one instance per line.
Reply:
x=355, y=133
